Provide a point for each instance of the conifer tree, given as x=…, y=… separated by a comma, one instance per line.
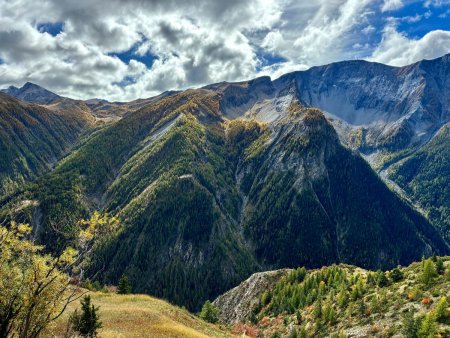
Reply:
x=209, y=313
x=440, y=310
x=439, y=264
x=396, y=275
x=428, y=329
x=429, y=272
x=124, y=286
x=87, y=322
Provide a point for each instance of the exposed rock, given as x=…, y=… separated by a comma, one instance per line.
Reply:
x=236, y=305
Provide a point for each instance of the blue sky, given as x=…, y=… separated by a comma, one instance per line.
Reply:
x=123, y=50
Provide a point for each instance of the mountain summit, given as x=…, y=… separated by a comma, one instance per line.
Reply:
x=32, y=93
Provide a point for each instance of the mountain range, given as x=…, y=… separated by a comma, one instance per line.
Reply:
x=343, y=163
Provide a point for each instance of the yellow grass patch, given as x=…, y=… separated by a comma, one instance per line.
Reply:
x=141, y=316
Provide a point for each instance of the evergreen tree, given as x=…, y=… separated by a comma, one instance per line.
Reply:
x=410, y=325
x=429, y=272
x=209, y=313
x=124, y=286
x=381, y=279
x=440, y=310
x=396, y=275
x=439, y=264
x=87, y=322
x=428, y=329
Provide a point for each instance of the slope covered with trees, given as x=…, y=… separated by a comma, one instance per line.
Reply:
x=204, y=201
x=33, y=139
x=425, y=176
x=347, y=301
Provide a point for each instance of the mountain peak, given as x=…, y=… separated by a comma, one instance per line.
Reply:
x=32, y=92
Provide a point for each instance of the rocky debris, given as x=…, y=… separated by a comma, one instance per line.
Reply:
x=236, y=304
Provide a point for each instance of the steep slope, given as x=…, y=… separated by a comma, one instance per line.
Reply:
x=392, y=108
x=341, y=301
x=425, y=176
x=32, y=139
x=307, y=190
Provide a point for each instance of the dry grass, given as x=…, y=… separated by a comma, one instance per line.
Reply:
x=142, y=316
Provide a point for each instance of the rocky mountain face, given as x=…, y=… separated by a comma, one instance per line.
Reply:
x=213, y=184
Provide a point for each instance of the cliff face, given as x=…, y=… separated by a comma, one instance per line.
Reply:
x=236, y=305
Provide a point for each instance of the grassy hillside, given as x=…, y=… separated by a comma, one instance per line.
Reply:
x=347, y=301
x=141, y=316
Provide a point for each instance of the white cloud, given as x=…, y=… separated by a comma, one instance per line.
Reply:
x=396, y=49
x=391, y=5
x=195, y=42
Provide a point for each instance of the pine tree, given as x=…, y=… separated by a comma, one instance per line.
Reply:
x=429, y=272
x=381, y=279
x=428, y=329
x=440, y=310
x=410, y=325
x=396, y=275
x=439, y=264
x=209, y=313
x=87, y=322
x=124, y=286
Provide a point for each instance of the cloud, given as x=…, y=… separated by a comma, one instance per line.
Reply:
x=125, y=49
x=397, y=49
x=391, y=5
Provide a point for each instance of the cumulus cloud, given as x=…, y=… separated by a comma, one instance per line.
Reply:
x=175, y=44
x=397, y=49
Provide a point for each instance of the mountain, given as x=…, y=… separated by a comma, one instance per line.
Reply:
x=205, y=201
x=32, y=93
x=33, y=139
x=213, y=184
x=389, y=114
x=341, y=301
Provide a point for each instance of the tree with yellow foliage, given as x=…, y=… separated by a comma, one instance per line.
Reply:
x=35, y=288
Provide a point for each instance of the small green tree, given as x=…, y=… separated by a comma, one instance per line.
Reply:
x=381, y=279
x=209, y=313
x=124, y=286
x=410, y=325
x=428, y=329
x=429, y=272
x=396, y=275
x=87, y=322
x=439, y=265
x=440, y=310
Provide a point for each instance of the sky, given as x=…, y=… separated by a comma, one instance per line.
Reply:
x=129, y=49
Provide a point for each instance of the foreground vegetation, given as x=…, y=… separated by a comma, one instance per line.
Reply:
x=345, y=301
